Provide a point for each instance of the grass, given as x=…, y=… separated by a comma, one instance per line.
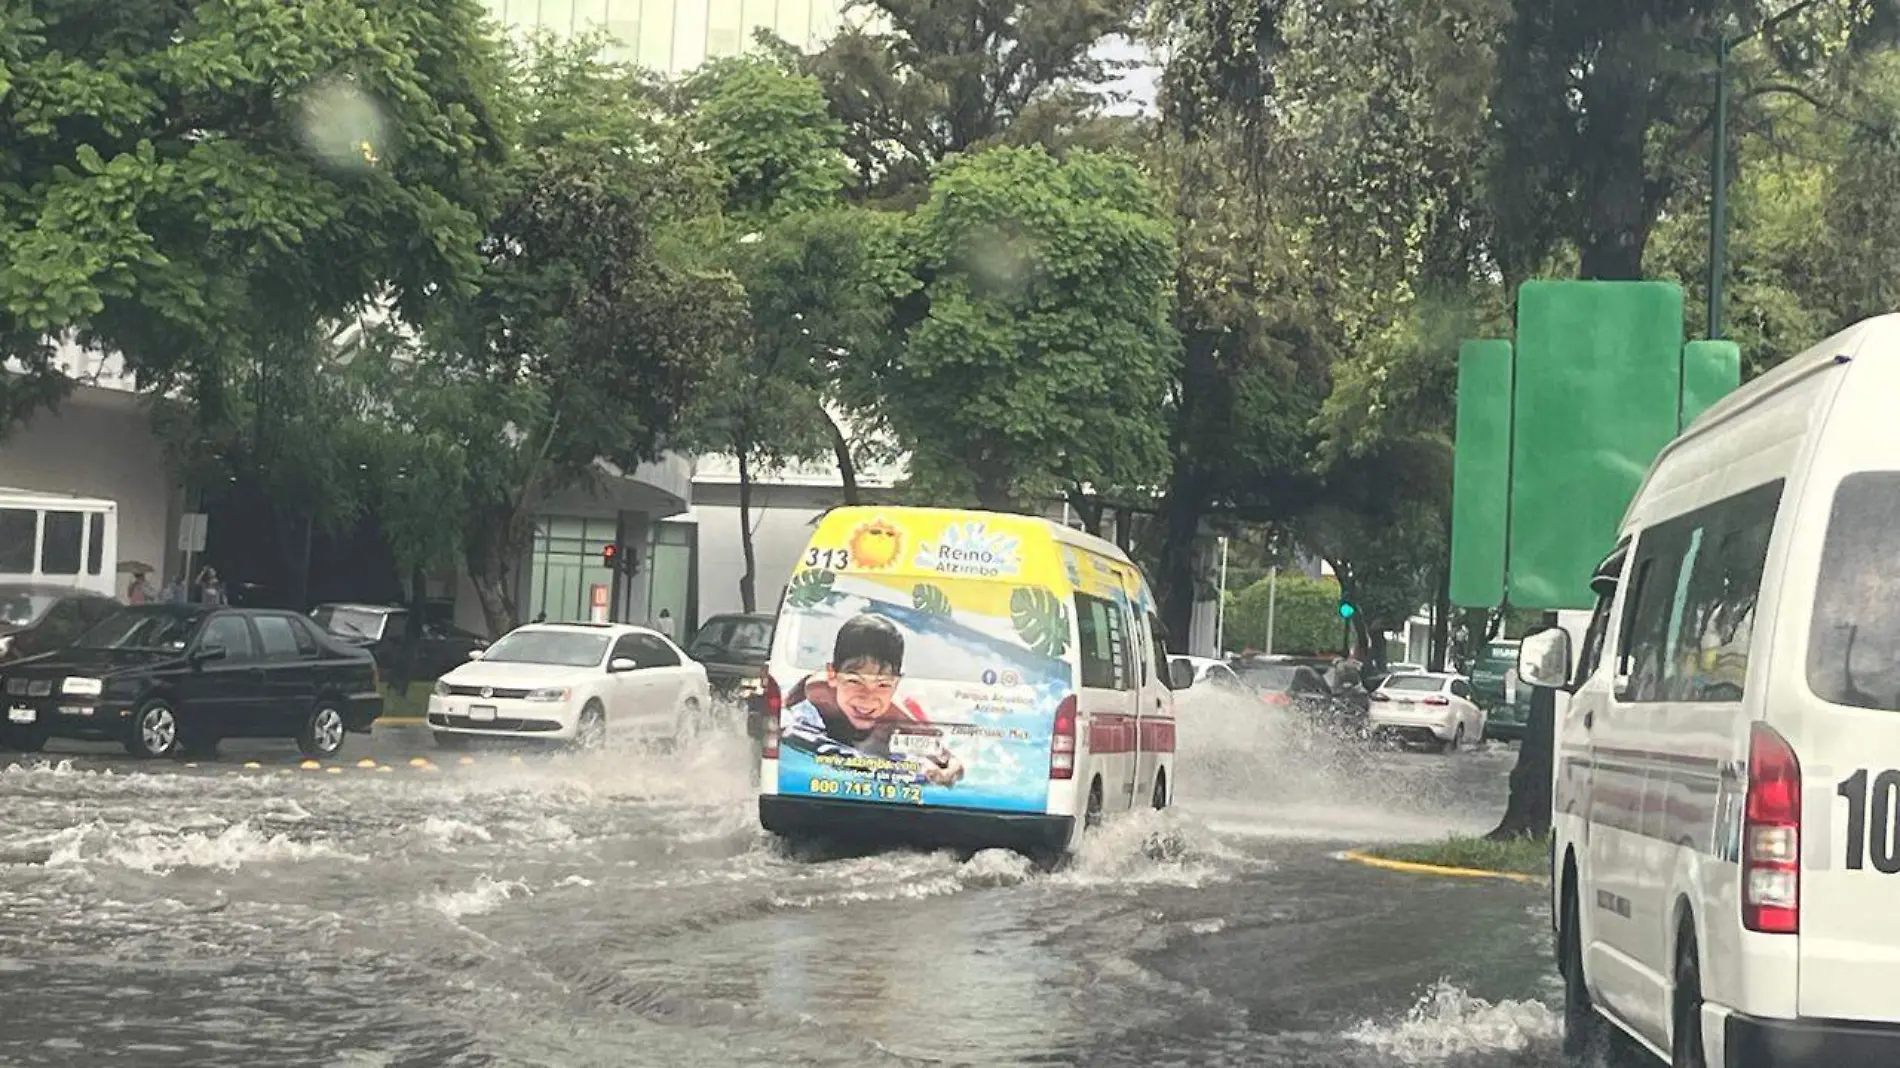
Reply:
x=1518, y=856
x=411, y=705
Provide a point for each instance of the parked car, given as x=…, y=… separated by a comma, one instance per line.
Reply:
x=574, y=683
x=36, y=618
x=1301, y=688
x=165, y=679
x=382, y=629
x=1434, y=708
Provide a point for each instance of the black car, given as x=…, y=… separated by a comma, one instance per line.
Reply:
x=164, y=679
x=382, y=629
x=1301, y=687
x=733, y=649
x=37, y=618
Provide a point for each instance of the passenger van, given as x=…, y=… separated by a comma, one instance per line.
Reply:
x=50, y=539
x=956, y=678
x=1728, y=761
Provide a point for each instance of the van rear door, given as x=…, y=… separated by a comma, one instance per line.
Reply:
x=1845, y=729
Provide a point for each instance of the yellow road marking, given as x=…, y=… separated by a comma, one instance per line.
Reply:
x=1361, y=857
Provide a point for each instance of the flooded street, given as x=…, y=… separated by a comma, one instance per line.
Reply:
x=625, y=909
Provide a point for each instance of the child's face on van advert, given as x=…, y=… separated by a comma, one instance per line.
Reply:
x=864, y=689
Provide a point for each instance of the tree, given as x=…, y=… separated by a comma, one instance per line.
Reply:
x=583, y=340
x=185, y=183
x=1035, y=350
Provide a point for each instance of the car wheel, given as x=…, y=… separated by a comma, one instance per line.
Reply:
x=591, y=732
x=154, y=732
x=322, y=734
x=1686, y=1044
x=1092, y=817
x=1161, y=790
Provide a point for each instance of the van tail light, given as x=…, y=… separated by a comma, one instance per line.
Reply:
x=1062, y=742
x=1438, y=700
x=774, y=704
x=1771, y=836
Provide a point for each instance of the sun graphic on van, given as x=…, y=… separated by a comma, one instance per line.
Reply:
x=876, y=545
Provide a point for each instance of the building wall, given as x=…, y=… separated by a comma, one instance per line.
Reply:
x=100, y=443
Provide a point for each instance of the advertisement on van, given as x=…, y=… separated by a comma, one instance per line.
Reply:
x=921, y=667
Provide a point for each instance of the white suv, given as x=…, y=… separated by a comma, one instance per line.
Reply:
x=570, y=682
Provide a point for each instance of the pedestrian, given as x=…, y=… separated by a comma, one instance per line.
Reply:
x=140, y=591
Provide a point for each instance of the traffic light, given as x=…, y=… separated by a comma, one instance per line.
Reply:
x=1347, y=610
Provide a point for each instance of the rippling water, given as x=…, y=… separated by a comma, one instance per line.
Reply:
x=624, y=909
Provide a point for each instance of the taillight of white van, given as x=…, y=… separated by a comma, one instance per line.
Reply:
x=1062, y=742
x=1771, y=836
x=774, y=704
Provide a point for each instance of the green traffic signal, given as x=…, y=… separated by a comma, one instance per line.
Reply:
x=1346, y=610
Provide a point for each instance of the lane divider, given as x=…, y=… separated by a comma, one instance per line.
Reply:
x=1358, y=856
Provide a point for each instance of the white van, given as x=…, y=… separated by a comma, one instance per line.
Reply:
x=51, y=539
x=1728, y=762
x=950, y=678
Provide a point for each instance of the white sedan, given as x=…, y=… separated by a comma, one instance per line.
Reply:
x=1433, y=707
x=571, y=682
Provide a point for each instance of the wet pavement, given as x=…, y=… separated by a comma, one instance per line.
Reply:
x=622, y=908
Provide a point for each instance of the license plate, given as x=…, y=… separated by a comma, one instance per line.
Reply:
x=482, y=713
x=21, y=715
x=924, y=745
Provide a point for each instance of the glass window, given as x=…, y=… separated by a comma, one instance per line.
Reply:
x=1104, y=644
x=564, y=648
x=1854, y=640
x=279, y=638
x=651, y=652
x=19, y=540
x=96, y=544
x=232, y=632
x=62, y=543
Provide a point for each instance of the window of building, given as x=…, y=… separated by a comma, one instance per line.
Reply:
x=63, y=543
x=1103, y=643
x=19, y=540
x=1691, y=614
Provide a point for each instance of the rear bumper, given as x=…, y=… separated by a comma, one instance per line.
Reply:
x=1750, y=1042
x=860, y=821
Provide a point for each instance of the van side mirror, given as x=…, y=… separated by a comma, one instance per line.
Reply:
x=1180, y=675
x=1543, y=659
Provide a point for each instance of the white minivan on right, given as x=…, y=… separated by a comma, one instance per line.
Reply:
x=1726, y=845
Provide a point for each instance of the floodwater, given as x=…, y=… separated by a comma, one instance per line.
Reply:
x=623, y=908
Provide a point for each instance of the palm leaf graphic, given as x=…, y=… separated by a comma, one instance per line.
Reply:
x=1042, y=621
x=810, y=588
x=930, y=599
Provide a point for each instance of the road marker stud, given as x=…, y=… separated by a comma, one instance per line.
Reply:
x=310, y=765
x=418, y=762
x=366, y=763
x=1361, y=857
x=252, y=765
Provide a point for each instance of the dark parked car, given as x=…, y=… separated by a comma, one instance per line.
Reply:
x=1302, y=688
x=161, y=679
x=37, y=619
x=382, y=629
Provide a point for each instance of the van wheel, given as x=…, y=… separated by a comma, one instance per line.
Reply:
x=1686, y=1044
x=1092, y=818
x=1161, y=790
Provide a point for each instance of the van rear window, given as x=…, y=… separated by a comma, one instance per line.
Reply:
x=1854, y=642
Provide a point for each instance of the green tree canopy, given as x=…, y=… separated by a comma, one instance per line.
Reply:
x=184, y=181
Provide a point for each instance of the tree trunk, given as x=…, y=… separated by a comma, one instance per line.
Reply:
x=748, y=580
x=1527, y=813
x=847, y=465
x=1180, y=531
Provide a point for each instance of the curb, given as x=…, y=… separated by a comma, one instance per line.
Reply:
x=1361, y=857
